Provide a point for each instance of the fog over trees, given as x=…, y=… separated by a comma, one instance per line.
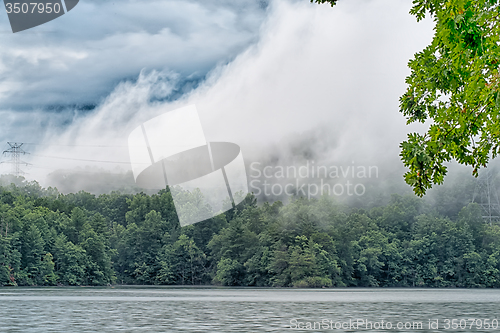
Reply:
x=48, y=238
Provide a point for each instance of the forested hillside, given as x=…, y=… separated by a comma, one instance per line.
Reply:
x=47, y=238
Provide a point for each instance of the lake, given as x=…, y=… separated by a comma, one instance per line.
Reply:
x=210, y=309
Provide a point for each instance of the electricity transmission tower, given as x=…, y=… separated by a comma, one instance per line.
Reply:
x=15, y=152
x=486, y=196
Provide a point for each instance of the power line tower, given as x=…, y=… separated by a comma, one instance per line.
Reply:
x=15, y=152
x=486, y=196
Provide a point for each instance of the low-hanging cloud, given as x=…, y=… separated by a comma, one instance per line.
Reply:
x=320, y=83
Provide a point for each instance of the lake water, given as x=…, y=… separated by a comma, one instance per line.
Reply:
x=156, y=309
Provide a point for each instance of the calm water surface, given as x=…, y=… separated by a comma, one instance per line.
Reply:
x=142, y=309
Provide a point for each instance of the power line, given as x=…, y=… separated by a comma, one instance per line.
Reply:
x=16, y=150
x=90, y=146
x=93, y=146
x=81, y=159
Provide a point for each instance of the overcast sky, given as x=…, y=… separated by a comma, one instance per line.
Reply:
x=265, y=75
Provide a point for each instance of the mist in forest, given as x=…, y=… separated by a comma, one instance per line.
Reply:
x=317, y=87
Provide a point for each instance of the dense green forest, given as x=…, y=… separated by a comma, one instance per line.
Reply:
x=48, y=238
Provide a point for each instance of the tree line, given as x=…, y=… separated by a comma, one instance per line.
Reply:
x=48, y=238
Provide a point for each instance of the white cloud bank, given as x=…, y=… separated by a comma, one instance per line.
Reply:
x=328, y=76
